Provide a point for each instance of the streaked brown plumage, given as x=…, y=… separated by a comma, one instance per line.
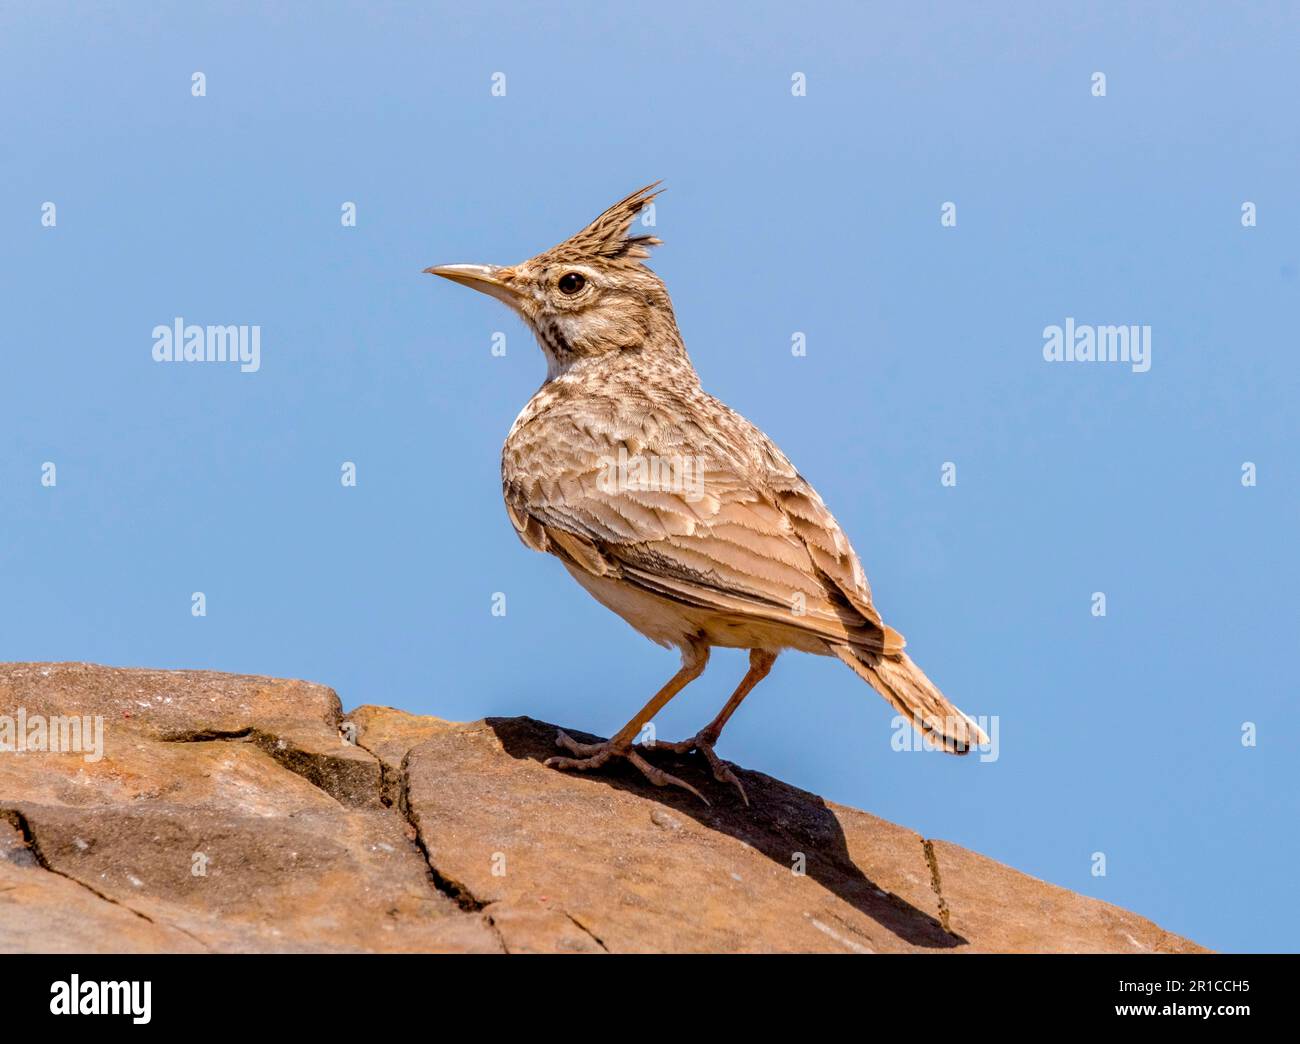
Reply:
x=726, y=544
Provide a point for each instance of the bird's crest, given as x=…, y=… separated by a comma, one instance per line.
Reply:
x=608, y=236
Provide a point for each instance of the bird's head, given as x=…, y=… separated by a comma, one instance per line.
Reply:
x=590, y=295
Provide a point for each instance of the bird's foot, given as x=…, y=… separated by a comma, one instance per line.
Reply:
x=703, y=742
x=593, y=755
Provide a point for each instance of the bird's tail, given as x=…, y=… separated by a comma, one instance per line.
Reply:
x=912, y=694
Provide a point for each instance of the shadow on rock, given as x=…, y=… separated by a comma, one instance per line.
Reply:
x=781, y=821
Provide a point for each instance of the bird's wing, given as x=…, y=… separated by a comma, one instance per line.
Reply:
x=745, y=536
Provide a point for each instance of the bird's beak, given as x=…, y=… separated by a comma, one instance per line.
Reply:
x=485, y=278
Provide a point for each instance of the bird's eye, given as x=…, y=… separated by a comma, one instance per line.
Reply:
x=571, y=283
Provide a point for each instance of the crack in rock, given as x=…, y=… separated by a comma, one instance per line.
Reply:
x=495, y=928
x=207, y=735
x=389, y=788
x=394, y=792
x=454, y=890
x=332, y=776
x=936, y=884
x=582, y=927
x=24, y=827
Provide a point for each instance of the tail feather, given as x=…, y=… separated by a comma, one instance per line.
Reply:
x=912, y=694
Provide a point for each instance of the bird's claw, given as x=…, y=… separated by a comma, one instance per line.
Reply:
x=594, y=755
x=722, y=771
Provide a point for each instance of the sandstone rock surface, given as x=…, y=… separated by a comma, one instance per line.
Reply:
x=238, y=813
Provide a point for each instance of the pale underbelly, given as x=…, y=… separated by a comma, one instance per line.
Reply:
x=672, y=624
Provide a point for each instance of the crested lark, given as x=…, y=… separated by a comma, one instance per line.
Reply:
x=670, y=508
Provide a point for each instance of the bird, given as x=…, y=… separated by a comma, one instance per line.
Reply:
x=669, y=507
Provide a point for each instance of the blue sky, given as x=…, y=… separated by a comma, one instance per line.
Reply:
x=820, y=214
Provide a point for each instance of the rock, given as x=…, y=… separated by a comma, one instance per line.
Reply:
x=235, y=813
x=226, y=814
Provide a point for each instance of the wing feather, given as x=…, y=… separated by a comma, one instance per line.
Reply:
x=752, y=539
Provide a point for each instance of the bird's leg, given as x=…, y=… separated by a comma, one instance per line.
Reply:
x=760, y=662
x=695, y=655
